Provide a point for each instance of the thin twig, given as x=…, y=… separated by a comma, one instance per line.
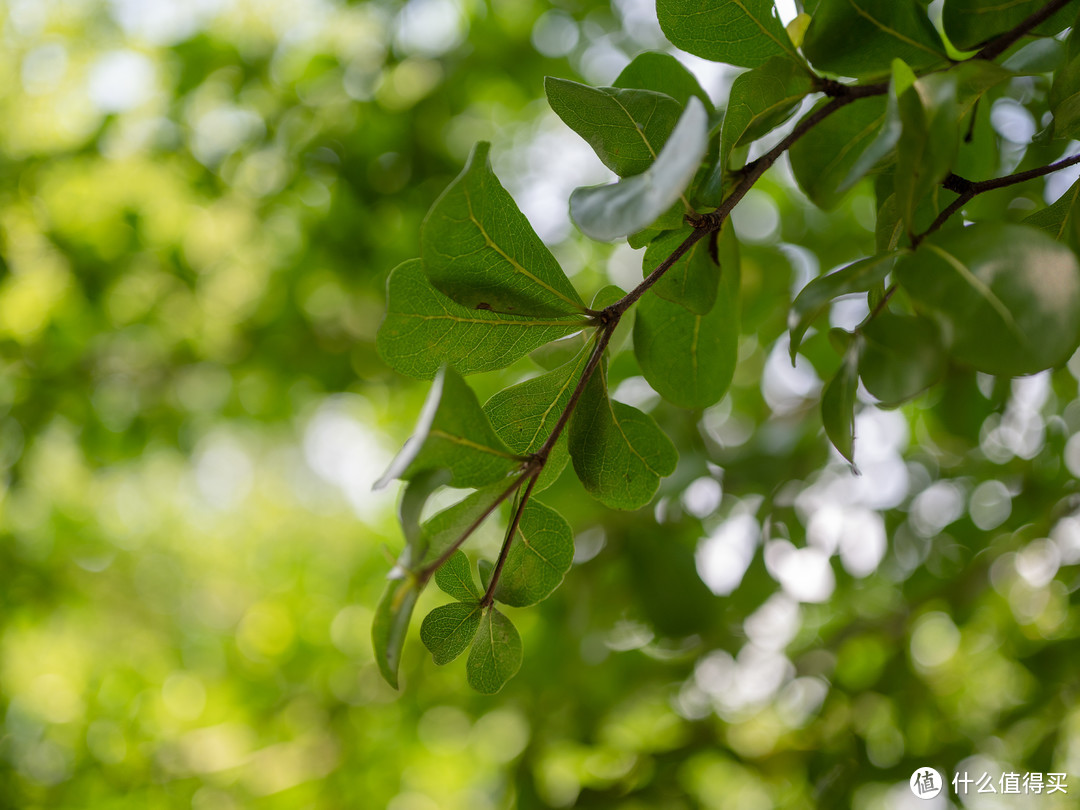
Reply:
x=586, y=374
x=1006, y=40
x=975, y=189
x=504, y=552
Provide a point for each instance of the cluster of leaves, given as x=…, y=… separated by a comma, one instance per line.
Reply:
x=899, y=100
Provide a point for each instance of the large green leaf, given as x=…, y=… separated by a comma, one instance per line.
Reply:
x=424, y=330
x=692, y=280
x=902, y=356
x=860, y=38
x=761, y=99
x=739, y=32
x=539, y=557
x=928, y=142
x=619, y=453
x=449, y=630
x=838, y=403
x=626, y=128
x=1007, y=297
x=823, y=158
x=496, y=653
x=454, y=578
x=453, y=433
x=815, y=297
x=609, y=212
x=689, y=359
x=524, y=414
x=480, y=250
x=662, y=73
x=1061, y=220
x=1065, y=100
x=391, y=624
x=970, y=24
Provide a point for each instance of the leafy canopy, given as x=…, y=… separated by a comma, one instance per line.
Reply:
x=883, y=97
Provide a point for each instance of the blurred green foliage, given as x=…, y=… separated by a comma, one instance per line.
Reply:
x=199, y=206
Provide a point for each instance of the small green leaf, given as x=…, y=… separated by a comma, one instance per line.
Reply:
x=609, y=212
x=1007, y=297
x=539, y=557
x=1060, y=219
x=662, y=73
x=525, y=414
x=970, y=24
x=480, y=250
x=424, y=330
x=902, y=357
x=928, y=143
x=689, y=359
x=449, y=630
x=626, y=128
x=838, y=403
x=739, y=32
x=859, y=38
x=454, y=578
x=692, y=281
x=413, y=498
x=442, y=530
x=762, y=99
x=619, y=453
x=496, y=653
x=391, y=624
x=815, y=297
x=823, y=158
x=453, y=433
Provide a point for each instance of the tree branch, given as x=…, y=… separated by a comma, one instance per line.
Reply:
x=975, y=189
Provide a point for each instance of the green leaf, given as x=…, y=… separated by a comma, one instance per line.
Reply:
x=762, y=99
x=524, y=414
x=413, y=498
x=969, y=24
x=626, y=128
x=480, y=250
x=739, y=32
x=539, y=557
x=453, y=433
x=442, y=530
x=823, y=158
x=424, y=330
x=391, y=624
x=860, y=38
x=1065, y=100
x=815, y=297
x=496, y=653
x=454, y=578
x=1007, y=297
x=449, y=630
x=883, y=144
x=902, y=357
x=928, y=143
x=838, y=403
x=692, y=280
x=619, y=453
x=1060, y=219
x=609, y=212
x=689, y=359
x=662, y=73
